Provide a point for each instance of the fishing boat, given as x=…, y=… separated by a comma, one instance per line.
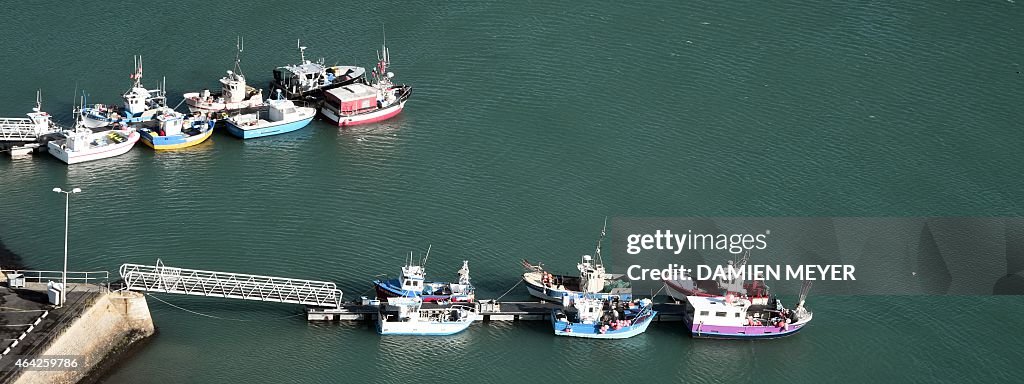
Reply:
x=590, y=317
x=406, y=316
x=83, y=144
x=283, y=116
x=679, y=289
x=412, y=283
x=234, y=93
x=175, y=130
x=309, y=79
x=140, y=104
x=361, y=103
x=753, y=317
x=593, y=280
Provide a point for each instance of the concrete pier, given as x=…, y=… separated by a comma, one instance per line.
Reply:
x=93, y=323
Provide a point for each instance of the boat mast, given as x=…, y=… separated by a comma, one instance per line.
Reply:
x=302, y=51
x=239, y=47
x=597, y=251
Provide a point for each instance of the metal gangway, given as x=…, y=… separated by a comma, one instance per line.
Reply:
x=25, y=128
x=161, y=278
x=31, y=128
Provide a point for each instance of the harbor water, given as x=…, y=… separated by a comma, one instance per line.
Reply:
x=530, y=123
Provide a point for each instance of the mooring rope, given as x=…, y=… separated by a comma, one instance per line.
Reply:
x=509, y=290
x=215, y=317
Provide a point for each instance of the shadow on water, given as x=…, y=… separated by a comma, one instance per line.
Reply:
x=9, y=259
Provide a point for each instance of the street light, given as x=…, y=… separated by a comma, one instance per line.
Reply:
x=64, y=276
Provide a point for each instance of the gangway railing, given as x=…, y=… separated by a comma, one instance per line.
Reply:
x=161, y=278
x=23, y=129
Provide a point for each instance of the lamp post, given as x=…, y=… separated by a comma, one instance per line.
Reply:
x=64, y=276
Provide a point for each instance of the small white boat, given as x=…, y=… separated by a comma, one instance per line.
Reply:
x=283, y=116
x=406, y=316
x=82, y=144
x=234, y=95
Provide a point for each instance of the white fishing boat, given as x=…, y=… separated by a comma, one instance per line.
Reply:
x=83, y=144
x=283, y=116
x=310, y=79
x=234, y=95
x=140, y=104
x=593, y=280
x=406, y=316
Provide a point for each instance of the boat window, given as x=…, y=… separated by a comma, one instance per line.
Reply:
x=720, y=314
x=704, y=313
x=737, y=314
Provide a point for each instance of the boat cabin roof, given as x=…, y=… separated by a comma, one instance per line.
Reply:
x=711, y=303
x=304, y=68
x=352, y=92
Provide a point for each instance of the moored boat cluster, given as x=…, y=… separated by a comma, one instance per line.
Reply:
x=594, y=304
x=344, y=95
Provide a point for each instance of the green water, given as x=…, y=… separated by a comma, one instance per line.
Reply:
x=530, y=122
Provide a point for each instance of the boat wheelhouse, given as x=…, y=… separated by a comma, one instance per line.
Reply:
x=234, y=94
x=361, y=103
x=310, y=79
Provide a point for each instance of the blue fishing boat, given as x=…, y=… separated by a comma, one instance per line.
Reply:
x=140, y=105
x=590, y=317
x=406, y=316
x=593, y=280
x=175, y=131
x=412, y=283
x=283, y=116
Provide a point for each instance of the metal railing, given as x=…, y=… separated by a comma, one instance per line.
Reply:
x=35, y=276
x=161, y=278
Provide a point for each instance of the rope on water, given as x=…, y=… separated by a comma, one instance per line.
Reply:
x=509, y=290
x=212, y=316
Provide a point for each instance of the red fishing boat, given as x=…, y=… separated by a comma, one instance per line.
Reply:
x=361, y=103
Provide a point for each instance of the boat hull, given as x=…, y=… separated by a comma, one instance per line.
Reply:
x=173, y=142
x=93, y=118
x=196, y=104
x=268, y=130
x=363, y=118
x=592, y=331
x=679, y=293
x=743, y=332
x=555, y=294
x=423, y=328
x=104, y=152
